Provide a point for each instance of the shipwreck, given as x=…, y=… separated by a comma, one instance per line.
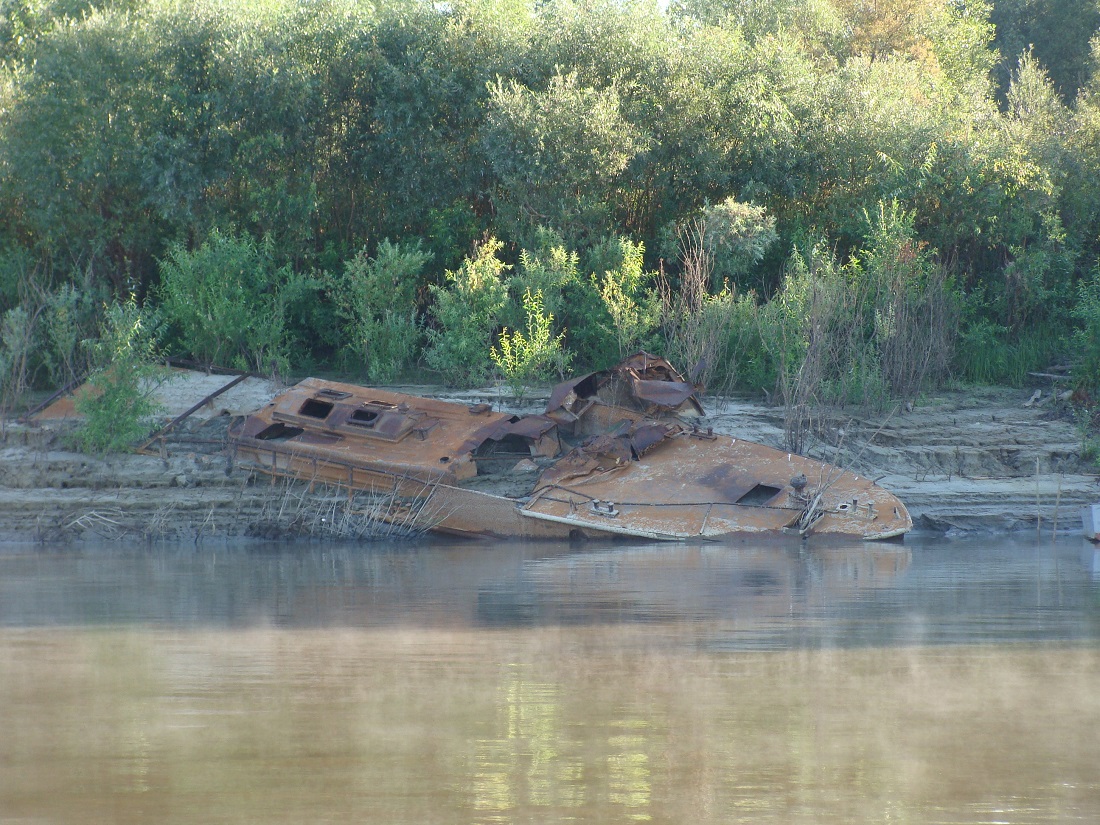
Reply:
x=619, y=452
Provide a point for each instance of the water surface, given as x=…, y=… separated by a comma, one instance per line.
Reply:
x=933, y=681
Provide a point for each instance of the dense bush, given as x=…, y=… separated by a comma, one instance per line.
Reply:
x=214, y=157
x=226, y=301
x=118, y=401
x=376, y=299
x=629, y=295
x=533, y=352
x=467, y=314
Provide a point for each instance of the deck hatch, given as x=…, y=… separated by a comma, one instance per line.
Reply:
x=278, y=432
x=363, y=418
x=760, y=495
x=316, y=408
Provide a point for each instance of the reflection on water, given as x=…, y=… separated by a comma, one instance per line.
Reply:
x=925, y=682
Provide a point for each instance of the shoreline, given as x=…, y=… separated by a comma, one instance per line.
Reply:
x=969, y=461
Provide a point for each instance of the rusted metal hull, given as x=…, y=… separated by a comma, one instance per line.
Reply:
x=697, y=488
x=644, y=469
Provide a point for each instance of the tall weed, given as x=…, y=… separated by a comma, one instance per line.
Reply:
x=118, y=400
x=632, y=304
x=466, y=312
x=534, y=352
x=915, y=304
x=877, y=327
x=698, y=326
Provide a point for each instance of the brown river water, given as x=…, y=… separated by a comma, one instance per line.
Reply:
x=932, y=682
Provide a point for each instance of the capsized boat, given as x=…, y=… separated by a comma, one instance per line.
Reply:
x=619, y=452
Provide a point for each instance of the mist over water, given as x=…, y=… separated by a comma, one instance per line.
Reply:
x=935, y=681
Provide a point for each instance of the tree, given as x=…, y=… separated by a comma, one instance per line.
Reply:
x=1057, y=32
x=558, y=154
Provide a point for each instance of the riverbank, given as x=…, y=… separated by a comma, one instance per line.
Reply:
x=977, y=460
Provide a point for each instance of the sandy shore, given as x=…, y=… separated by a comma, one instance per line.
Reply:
x=962, y=461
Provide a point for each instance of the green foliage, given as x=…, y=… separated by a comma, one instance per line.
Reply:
x=67, y=319
x=16, y=271
x=16, y=344
x=558, y=154
x=551, y=270
x=117, y=401
x=43, y=334
x=466, y=312
x=225, y=300
x=574, y=301
x=376, y=299
x=1058, y=31
x=735, y=237
x=987, y=353
x=748, y=363
x=634, y=307
x=532, y=353
x=962, y=37
x=876, y=327
x=982, y=355
x=1087, y=420
x=703, y=329
x=1087, y=336
x=452, y=231
x=914, y=305
x=133, y=129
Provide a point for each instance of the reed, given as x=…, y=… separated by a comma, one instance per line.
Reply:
x=332, y=511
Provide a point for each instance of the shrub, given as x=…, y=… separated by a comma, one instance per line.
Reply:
x=549, y=269
x=804, y=334
x=376, y=300
x=1087, y=337
x=982, y=354
x=634, y=307
x=68, y=318
x=738, y=235
x=988, y=353
x=224, y=300
x=532, y=353
x=692, y=337
x=915, y=305
x=703, y=330
x=466, y=312
x=16, y=346
x=117, y=401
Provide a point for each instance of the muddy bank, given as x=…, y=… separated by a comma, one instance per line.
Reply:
x=976, y=460
x=961, y=461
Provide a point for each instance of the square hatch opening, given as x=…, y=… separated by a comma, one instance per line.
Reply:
x=760, y=495
x=363, y=418
x=316, y=408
